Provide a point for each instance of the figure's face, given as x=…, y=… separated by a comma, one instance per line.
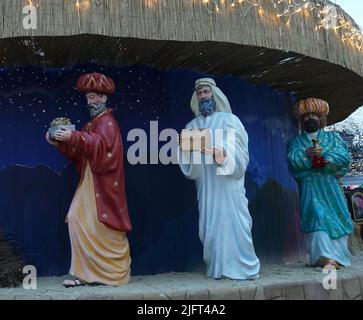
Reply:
x=204, y=93
x=94, y=98
x=311, y=115
x=311, y=122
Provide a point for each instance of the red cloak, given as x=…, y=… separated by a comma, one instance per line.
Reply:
x=100, y=144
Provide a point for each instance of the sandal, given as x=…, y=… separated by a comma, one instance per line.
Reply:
x=328, y=263
x=333, y=264
x=73, y=283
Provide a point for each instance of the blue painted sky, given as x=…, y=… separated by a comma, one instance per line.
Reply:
x=31, y=97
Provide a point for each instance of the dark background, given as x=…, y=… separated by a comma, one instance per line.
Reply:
x=37, y=184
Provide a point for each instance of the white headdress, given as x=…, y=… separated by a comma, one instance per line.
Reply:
x=222, y=104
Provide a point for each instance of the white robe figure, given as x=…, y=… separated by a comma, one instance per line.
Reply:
x=224, y=220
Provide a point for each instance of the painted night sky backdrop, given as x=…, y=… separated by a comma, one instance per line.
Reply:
x=30, y=98
x=37, y=184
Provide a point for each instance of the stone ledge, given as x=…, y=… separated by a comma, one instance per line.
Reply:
x=277, y=282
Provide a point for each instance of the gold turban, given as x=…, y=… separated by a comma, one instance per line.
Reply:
x=311, y=105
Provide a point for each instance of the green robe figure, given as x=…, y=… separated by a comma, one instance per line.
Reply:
x=317, y=159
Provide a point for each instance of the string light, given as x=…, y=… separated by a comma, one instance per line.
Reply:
x=35, y=3
x=286, y=9
x=283, y=10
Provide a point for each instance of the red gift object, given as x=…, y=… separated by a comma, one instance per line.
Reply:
x=318, y=162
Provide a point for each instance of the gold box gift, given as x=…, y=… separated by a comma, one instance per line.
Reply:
x=195, y=139
x=59, y=123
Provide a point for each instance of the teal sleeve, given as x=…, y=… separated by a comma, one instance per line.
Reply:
x=338, y=157
x=299, y=163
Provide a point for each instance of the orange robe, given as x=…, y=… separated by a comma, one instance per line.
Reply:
x=98, y=216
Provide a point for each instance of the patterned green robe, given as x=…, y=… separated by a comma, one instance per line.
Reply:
x=323, y=206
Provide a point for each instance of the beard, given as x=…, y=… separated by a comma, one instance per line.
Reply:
x=311, y=125
x=96, y=108
x=207, y=107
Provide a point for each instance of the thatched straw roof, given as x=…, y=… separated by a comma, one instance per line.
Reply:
x=184, y=34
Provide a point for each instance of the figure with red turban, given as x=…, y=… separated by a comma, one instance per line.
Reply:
x=317, y=159
x=98, y=218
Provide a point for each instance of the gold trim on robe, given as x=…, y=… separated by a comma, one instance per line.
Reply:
x=99, y=254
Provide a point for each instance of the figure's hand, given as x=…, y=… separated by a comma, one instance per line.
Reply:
x=205, y=150
x=217, y=152
x=63, y=134
x=314, y=152
x=219, y=155
x=50, y=140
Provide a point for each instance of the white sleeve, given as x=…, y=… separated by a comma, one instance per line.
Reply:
x=235, y=143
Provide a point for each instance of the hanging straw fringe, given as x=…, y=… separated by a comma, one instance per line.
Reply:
x=186, y=34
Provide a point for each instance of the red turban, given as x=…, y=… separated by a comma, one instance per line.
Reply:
x=96, y=82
